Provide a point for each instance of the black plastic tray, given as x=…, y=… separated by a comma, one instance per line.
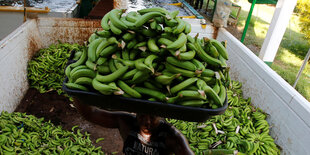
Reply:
x=119, y=103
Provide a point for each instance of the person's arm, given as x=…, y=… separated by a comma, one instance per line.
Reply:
x=99, y=116
x=178, y=143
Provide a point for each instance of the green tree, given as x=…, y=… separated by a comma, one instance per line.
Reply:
x=303, y=7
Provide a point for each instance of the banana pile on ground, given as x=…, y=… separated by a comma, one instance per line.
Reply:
x=26, y=134
x=148, y=54
x=242, y=127
x=46, y=69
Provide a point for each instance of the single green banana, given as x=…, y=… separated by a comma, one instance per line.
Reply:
x=182, y=64
x=168, y=29
x=153, y=93
x=178, y=43
x=101, y=60
x=181, y=26
x=177, y=70
x=140, y=77
x=183, y=85
x=216, y=87
x=128, y=89
x=150, y=86
x=103, y=33
x=146, y=17
x=174, y=14
x=130, y=25
x=189, y=55
x=164, y=41
x=209, y=91
x=188, y=27
x=82, y=59
x=149, y=60
x=220, y=48
x=91, y=65
x=139, y=63
x=205, y=57
x=104, y=69
x=77, y=68
x=198, y=65
x=192, y=95
x=92, y=37
x=109, y=50
x=84, y=81
x=148, y=32
x=115, y=30
x=192, y=103
x=104, y=44
x=151, y=44
x=111, y=65
x=103, y=87
x=208, y=73
x=129, y=74
x=165, y=79
x=76, y=86
x=190, y=39
x=132, y=16
x=104, y=22
x=83, y=73
x=155, y=9
x=128, y=63
x=153, y=25
x=128, y=36
x=113, y=76
x=171, y=22
x=223, y=60
x=114, y=17
x=212, y=50
x=132, y=44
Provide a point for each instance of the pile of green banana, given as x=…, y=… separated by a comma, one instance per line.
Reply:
x=242, y=128
x=46, y=69
x=148, y=54
x=26, y=134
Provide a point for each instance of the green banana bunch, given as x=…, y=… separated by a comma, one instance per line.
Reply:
x=150, y=52
x=26, y=134
x=242, y=129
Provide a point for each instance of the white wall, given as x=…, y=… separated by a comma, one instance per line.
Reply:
x=288, y=111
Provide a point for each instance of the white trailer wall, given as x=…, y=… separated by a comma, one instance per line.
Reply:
x=288, y=111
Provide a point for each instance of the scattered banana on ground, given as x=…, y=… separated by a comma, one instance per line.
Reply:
x=46, y=69
x=149, y=52
x=26, y=134
x=242, y=129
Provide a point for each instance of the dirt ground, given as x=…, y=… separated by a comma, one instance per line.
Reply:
x=237, y=32
x=57, y=108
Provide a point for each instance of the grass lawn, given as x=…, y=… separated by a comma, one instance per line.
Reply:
x=292, y=50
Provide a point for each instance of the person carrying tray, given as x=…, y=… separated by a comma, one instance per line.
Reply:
x=142, y=134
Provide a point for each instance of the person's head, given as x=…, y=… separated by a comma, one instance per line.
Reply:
x=148, y=123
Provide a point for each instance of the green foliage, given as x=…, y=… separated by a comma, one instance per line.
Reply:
x=304, y=13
